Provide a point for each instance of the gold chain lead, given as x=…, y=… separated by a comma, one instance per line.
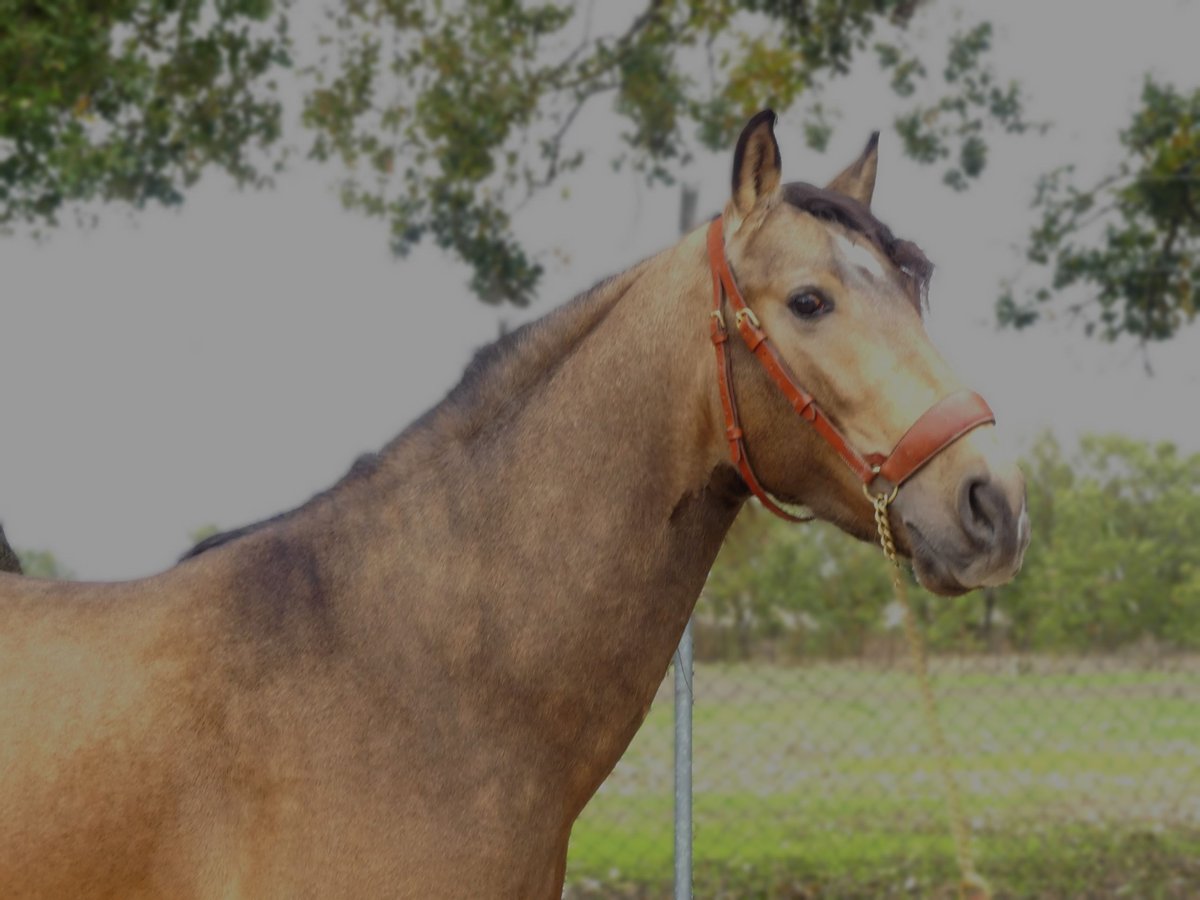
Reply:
x=971, y=884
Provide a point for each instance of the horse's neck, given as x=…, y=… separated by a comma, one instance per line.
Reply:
x=553, y=554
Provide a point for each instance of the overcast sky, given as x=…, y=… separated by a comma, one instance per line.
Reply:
x=222, y=362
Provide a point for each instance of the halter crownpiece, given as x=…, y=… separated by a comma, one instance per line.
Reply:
x=937, y=428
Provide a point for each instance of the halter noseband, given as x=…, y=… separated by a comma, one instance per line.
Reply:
x=937, y=428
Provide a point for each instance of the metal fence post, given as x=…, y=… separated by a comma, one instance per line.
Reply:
x=689, y=194
x=683, y=766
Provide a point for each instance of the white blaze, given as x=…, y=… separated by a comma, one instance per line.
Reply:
x=859, y=255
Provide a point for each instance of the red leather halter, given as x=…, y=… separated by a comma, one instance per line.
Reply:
x=937, y=428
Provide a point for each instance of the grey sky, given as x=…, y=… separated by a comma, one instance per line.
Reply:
x=223, y=362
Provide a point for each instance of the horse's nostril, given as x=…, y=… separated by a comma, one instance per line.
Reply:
x=978, y=512
x=981, y=507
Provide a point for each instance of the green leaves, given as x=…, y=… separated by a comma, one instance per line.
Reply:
x=447, y=117
x=1122, y=257
x=451, y=116
x=953, y=126
x=811, y=588
x=43, y=564
x=132, y=103
x=430, y=108
x=1111, y=562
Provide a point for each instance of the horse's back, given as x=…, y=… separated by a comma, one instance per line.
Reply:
x=204, y=734
x=183, y=736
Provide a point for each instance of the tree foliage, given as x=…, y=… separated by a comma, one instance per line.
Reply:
x=450, y=116
x=1112, y=562
x=802, y=591
x=1123, y=255
x=43, y=564
x=131, y=100
x=1111, y=565
x=196, y=535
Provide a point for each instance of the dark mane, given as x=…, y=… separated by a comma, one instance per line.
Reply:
x=498, y=374
x=363, y=466
x=849, y=213
x=505, y=370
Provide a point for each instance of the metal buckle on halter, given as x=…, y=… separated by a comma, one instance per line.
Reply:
x=747, y=313
x=720, y=319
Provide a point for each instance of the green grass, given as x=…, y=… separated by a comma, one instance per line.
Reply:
x=821, y=775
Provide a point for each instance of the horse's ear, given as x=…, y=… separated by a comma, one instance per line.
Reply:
x=756, y=162
x=857, y=180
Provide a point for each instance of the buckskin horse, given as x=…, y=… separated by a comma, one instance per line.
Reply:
x=411, y=685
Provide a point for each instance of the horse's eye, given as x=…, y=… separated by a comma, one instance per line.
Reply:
x=808, y=304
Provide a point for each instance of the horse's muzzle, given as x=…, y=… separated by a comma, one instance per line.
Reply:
x=982, y=545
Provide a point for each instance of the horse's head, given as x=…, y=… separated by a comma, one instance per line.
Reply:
x=841, y=301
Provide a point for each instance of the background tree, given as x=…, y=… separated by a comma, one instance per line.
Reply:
x=196, y=535
x=1107, y=569
x=1112, y=563
x=43, y=564
x=803, y=590
x=450, y=117
x=131, y=101
x=1123, y=255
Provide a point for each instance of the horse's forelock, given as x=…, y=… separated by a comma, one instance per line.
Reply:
x=831, y=206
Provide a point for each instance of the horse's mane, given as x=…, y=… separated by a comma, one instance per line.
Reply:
x=502, y=372
x=363, y=466
x=499, y=374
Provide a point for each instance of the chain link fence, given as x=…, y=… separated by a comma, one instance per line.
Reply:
x=1070, y=698
x=817, y=779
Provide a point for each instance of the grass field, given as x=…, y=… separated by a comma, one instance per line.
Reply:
x=820, y=776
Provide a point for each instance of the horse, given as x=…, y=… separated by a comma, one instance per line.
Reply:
x=411, y=685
